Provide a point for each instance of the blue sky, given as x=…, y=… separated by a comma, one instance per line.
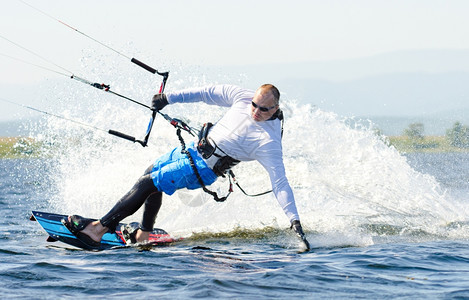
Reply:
x=223, y=33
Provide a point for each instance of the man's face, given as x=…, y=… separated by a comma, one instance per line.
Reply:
x=263, y=100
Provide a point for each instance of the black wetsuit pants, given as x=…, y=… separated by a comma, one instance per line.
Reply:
x=143, y=192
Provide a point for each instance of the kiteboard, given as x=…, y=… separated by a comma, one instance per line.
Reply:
x=52, y=224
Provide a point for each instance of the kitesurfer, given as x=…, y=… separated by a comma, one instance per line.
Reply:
x=250, y=130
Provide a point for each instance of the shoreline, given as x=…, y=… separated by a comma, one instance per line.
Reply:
x=26, y=147
x=19, y=147
x=427, y=144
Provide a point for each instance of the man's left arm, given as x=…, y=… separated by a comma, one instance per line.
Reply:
x=283, y=192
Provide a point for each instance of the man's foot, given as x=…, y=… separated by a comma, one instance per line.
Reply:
x=88, y=231
x=142, y=236
x=133, y=234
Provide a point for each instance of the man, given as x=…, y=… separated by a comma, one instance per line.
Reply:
x=250, y=130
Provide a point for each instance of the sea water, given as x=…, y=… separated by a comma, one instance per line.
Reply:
x=381, y=224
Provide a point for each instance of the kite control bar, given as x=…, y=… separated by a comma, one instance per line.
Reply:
x=153, y=115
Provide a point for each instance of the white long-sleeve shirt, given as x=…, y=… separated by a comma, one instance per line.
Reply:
x=244, y=139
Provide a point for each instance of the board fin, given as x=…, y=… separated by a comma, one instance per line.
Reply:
x=51, y=239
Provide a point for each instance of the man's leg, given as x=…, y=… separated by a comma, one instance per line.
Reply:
x=130, y=203
x=126, y=206
x=151, y=209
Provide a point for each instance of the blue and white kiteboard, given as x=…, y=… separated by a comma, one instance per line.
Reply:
x=52, y=224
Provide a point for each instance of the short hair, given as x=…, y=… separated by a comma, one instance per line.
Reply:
x=273, y=90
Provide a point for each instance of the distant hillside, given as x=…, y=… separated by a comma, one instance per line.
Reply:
x=435, y=125
x=410, y=61
x=397, y=94
x=392, y=89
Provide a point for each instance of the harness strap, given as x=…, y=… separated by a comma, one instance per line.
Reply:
x=196, y=172
x=208, y=148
